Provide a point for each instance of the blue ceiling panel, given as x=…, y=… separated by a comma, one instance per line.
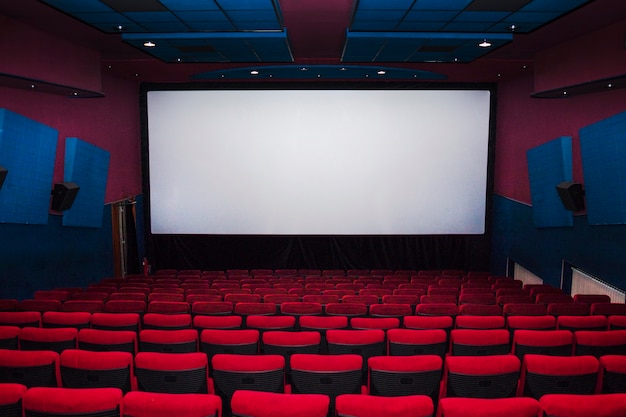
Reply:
x=188, y=5
x=441, y=5
x=260, y=35
x=468, y=26
x=202, y=16
x=420, y=26
x=373, y=25
x=436, y=47
x=214, y=46
x=211, y=26
x=79, y=6
x=385, y=4
x=246, y=4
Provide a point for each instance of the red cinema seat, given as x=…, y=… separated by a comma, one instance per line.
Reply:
x=116, y=321
x=159, y=321
x=480, y=322
x=352, y=405
x=599, y=343
x=217, y=322
x=247, y=372
x=72, y=402
x=437, y=309
x=174, y=373
x=55, y=319
x=492, y=407
x=107, y=340
x=169, y=307
x=9, y=337
x=346, y=310
x=283, y=343
x=544, y=374
x=125, y=306
x=330, y=375
x=524, y=309
x=88, y=306
x=8, y=304
x=613, y=368
x=568, y=309
x=544, y=322
x=608, y=309
x=383, y=323
x=212, y=308
x=168, y=341
x=574, y=323
x=57, y=340
x=39, y=305
x=265, y=323
x=301, y=308
x=395, y=376
x=35, y=368
x=408, y=342
x=11, y=399
x=87, y=369
x=494, y=376
x=247, y=403
x=388, y=310
x=542, y=342
x=479, y=342
x=366, y=343
x=429, y=322
x=322, y=324
x=480, y=310
x=152, y=404
x=591, y=298
x=232, y=341
x=574, y=405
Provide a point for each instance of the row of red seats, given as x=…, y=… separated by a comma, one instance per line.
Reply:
x=96, y=401
x=263, y=337
x=487, y=377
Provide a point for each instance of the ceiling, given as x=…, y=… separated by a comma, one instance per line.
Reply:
x=428, y=40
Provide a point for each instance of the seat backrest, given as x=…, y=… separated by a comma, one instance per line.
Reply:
x=175, y=373
x=217, y=322
x=480, y=322
x=233, y=372
x=11, y=399
x=353, y=405
x=575, y=405
x=481, y=407
x=108, y=340
x=599, y=343
x=542, y=342
x=247, y=403
x=574, y=323
x=35, y=368
x=613, y=368
x=20, y=318
x=407, y=342
x=84, y=402
x=116, y=321
x=392, y=376
x=75, y=319
x=479, y=342
x=239, y=341
x=213, y=308
x=544, y=374
x=289, y=343
x=88, y=369
x=9, y=337
x=494, y=376
x=524, y=309
x=160, y=321
x=156, y=404
x=55, y=339
x=168, y=341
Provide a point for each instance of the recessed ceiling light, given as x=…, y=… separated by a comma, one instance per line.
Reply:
x=120, y=28
x=610, y=85
x=149, y=44
x=381, y=72
x=512, y=28
x=304, y=69
x=254, y=72
x=485, y=44
x=564, y=93
x=343, y=69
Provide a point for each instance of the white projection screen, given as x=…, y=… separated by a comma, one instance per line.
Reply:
x=318, y=162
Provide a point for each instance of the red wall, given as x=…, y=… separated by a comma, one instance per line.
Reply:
x=524, y=123
x=111, y=123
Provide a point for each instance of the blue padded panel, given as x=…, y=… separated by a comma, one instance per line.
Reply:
x=603, y=151
x=28, y=151
x=549, y=165
x=88, y=166
x=429, y=46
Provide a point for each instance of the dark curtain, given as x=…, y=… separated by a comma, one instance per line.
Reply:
x=320, y=252
x=133, y=265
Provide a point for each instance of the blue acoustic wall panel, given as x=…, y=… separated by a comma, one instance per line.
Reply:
x=88, y=166
x=549, y=165
x=603, y=151
x=27, y=150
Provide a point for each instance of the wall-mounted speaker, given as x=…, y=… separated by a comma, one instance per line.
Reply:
x=3, y=175
x=63, y=195
x=572, y=195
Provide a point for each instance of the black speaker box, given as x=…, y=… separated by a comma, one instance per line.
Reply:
x=3, y=175
x=572, y=195
x=63, y=195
